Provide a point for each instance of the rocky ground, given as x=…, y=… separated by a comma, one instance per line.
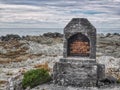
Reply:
x=55, y=87
x=19, y=54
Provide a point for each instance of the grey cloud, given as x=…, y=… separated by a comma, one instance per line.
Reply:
x=54, y=11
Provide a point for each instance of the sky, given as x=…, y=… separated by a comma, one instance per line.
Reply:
x=57, y=13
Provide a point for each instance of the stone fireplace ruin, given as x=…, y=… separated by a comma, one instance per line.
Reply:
x=78, y=66
x=80, y=39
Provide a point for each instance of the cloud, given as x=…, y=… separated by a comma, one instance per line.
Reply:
x=54, y=13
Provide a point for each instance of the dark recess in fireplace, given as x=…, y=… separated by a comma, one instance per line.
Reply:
x=78, y=45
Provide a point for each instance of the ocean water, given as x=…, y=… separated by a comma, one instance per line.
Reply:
x=28, y=31
x=40, y=31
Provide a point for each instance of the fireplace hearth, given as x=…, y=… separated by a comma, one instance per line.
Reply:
x=78, y=66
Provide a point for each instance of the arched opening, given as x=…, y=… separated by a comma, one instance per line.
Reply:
x=78, y=45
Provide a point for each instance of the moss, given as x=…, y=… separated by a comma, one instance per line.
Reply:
x=35, y=77
x=118, y=81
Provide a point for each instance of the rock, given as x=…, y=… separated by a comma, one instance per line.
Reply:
x=109, y=80
x=53, y=35
x=112, y=65
x=10, y=37
x=116, y=34
x=36, y=48
x=28, y=88
x=45, y=66
x=43, y=39
x=109, y=45
x=100, y=35
x=2, y=50
x=108, y=34
x=116, y=54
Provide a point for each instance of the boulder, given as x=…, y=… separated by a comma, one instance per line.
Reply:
x=108, y=34
x=109, y=80
x=10, y=37
x=53, y=35
x=116, y=34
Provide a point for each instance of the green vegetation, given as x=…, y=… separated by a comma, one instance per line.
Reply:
x=35, y=77
x=118, y=81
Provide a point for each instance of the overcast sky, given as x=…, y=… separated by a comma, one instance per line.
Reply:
x=57, y=13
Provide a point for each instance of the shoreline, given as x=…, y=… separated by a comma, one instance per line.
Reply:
x=54, y=35
x=40, y=31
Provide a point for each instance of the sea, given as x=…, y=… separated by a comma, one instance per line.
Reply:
x=40, y=31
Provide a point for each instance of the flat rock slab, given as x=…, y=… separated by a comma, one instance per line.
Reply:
x=56, y=87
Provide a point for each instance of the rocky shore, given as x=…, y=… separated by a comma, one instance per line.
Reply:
x=19, y=54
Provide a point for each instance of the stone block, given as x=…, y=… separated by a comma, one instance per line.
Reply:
x=65, y=73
